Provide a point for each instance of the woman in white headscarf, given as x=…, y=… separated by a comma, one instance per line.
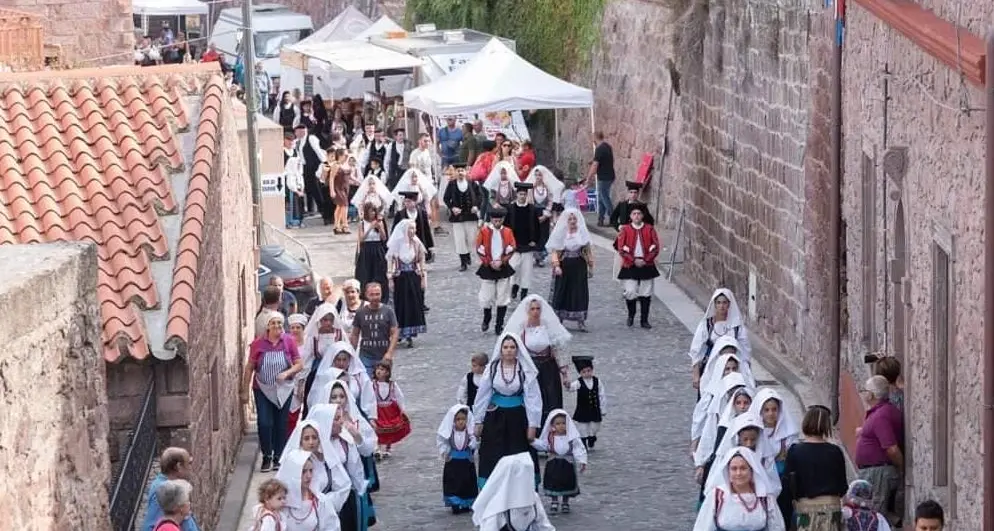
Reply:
x=362, y=434
x=323, y=331
x=297, y=323
x=780, y=431
x=546, y=191
x=349, y=303
x=373, y=191
x=408, y=280
x=509, y=502
x=722, y=318
x=414, y=181
x=305, y=509
x=572, y=267
x=741, y=500
x=544, y=339
x=725, y=361
x=747, y=430
x=352, y=513
x=371, y=249
x=500, y=183
x=342, y=363
x=508, y=406
x=739, y=399
x=314, y=435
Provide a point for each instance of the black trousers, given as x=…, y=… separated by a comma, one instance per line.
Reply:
x=311, y=188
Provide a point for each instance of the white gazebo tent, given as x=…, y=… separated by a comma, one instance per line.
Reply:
x=382, y=26
x=345, y=68
x=167, y=8
x=347, y=25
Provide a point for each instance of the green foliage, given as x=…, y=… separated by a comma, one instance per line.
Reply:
x=557, y=36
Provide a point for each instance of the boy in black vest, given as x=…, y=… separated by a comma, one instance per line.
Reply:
x=470, y=383
x=589, y=400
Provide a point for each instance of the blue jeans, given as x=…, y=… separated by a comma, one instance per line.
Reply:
x=604, y=205
x=369, y=362
x=272, y=422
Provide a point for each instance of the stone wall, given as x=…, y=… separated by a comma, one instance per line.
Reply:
x=53, y=407
x=922, y=192
x=86, y=30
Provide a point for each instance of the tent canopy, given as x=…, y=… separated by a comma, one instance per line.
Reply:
x=347, y=25
x=168, y=7
x=378, y=28
x=496, y=79
x=356, y=56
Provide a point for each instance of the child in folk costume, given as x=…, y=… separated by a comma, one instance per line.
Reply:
x=711, y=384
x=373, y=191
x=590, y=401
x=546, y=191
x=392, y=424
x=857, y=509
x=721, y=319
x=306, y=509
x=561, y=440
x=741, y=499
x=508, y=502
x=638, y=246
x=466, y=393
x=268, y=514
x=456, y=445
x=736, y=400
x=781, y=432
x=747, y=430
x=495, y=246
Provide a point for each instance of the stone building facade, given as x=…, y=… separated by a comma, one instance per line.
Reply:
x=90, y=33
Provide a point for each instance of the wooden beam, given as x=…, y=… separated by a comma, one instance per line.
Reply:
x=935, y=35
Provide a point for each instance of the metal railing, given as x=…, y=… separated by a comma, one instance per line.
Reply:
x=274, y=236
x=132, y=475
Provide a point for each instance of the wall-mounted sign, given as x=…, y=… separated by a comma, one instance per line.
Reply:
x=272, y=185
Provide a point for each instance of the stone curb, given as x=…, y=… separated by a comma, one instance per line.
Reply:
x=238, y=483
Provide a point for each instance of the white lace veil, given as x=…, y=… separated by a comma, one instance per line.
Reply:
x=734, y=313
x=558, y=335
x=398, y=246
x=524, y=360
x=557, y=238
x=376, y=184
x=723, y=482
x=550, y=181
x=311, y=332
x=424, y=186
x=494, y=178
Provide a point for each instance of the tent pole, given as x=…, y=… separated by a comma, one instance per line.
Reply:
x=556, y=133
x=592, y=127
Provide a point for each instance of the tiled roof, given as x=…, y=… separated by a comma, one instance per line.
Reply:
x=90, y=155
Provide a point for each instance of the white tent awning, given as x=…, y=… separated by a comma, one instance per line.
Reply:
x=496, y=79
x=168, y=7
x=382, y=25
x=348, y=24
x=356, y=56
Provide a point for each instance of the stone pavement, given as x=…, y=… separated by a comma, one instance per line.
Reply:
x=639, y=475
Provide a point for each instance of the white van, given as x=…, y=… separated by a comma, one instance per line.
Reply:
x=275, y=26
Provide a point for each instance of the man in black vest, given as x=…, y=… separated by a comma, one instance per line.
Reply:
x=398, y=155
x=318, y=196
x=376, y=150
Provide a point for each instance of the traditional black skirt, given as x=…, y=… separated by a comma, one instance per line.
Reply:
x=570, y=291
x=505, y=432
x=371, y=266
x=459, y=487
x=550, y=383
x=560, y=478
x=646, y=272
x=369, y=467
x=409, y=302
x=348, y=517
x=485, y=272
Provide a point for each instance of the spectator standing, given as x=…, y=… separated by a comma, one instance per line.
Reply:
x=526, y=160
x=929, y=516
x=816, y=472
x=478, y=132
x=602, y=168
x=270, y=304
x=288, y=303
x=879, y=448
x=374, y=329
x=890, y=367
x=449, y=139
x=175, y=464
x=174, y=498
x=470, y=147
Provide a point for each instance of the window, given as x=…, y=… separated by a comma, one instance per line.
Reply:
x=269, y=43
x=869, y=265
x=215, y=398
x=941, y=424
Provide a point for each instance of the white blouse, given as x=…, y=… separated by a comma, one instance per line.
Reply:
x=303, y=519
x=458, y=442
x=718, y=329
x=735, y=513
x=488, y=385
x=372, y=235
x=573, y=242
x=561, y=446
x=536, y=339
x=382, y=390
x=462, y=394
x=349, y=455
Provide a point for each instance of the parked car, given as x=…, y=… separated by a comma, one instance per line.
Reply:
x=297, y=276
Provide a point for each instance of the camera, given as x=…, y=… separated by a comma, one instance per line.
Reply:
x=870, y=359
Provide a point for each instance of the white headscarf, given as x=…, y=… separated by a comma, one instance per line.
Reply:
x=400, y=246
x=324, y=375
x=355, y=414
x=493, y=180
x=758, y=473
x=557, y=238
x=511, y=485
x=324, y=415
x=558, y=335
x=374, y=182
x=734, y=314
x=328, y=361
x=325, y=341
x=729, y=414
x=524, y=360
x=731, y=440
x=729, y=382
x=713, y=371
x=298, y=319
x=785, y=428
x=445, y=428
x=554, y=185
x=424, y=186
x=572, y=433
x=290, y=472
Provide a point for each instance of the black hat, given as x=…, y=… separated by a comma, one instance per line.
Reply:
x=399, y=130
x=523, y=187
x=498, y=212
x=558, y=207
x=641, y=207
x=377, y=159
x=583, y=362
x=632, y=185
x=413, y=196
x=458, y=165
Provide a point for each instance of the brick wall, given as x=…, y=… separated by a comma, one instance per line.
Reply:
x=53, y=410
x=85, y=29
x=940, y=187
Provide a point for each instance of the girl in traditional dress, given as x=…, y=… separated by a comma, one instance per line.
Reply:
x=546, y=191
x=306, y=509
x=572, y=267
x=857, y=509
x=371, y=261
x=741, y=501
x=456, y=445
x=268, y=514
x=353, y=512
x=747, y=430
x=545, y=340
x=372, y=191
x=780, y=430
x=500, y=185
x=392, y=424
x=817, y=469
x=561, y=440
x=314, y=436
x=508, y=406
x=735, y=400
x=509, y=502
x=408, y=280
x=722, y=318
x=711, y=384
x=324, y=330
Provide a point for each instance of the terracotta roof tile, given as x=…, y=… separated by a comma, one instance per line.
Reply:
x=87, y=155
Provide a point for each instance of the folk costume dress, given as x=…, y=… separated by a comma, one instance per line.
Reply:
x=320, y=338
x=465, y=195
x=780, y=438
x=638, y=243
x=354, y=377
x=522, y=218
x=716, y=426
x=565, y=453
x=457, y=448
x=726, y=510
x=392, y=423
x=367, y=446
x=508, y=403
x=732, y=439
x=495, y=244
x=717, y=368
x=372, y=191
x=500, y=184
x=547, y=191
x=371, y=261
x=709, y=330
x=299, y=514
x=328, y=469
x=406, y=267
x=591, y=403
x=509, y=502
x=546, y=346
x=420, y=191
x=573, y=263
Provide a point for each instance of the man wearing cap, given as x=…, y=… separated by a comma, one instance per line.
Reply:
x=522, y=217
x=413, y=212
x=495, y=246
x=619, y=216
x=589, y=400
x=463, y=198
x=638, y=246
x=397, y=158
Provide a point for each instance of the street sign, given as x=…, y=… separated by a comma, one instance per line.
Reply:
x=272, y=185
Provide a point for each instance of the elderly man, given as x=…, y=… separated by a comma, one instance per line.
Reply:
x=326, y=293
x=175, y=464
x=879, y=444
x=288, y=302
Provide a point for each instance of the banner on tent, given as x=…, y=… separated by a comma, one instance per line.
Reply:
x=512, y=124
x=450, y=62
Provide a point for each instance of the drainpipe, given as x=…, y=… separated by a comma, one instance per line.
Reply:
x=988, y=463
x=835, y=224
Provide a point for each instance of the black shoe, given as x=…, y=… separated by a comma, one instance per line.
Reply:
x=276, y=465
x=591, y=441
x=524, y=293
x=267, y=464
x=499, y=326
x=585, y=441
x=644, y=303
x=410, y=343
x=429, y=257
x=462, y=267
x=464, y=262
x=425, y=309
x=487, y=315
x=631, y=312
x=514, y=291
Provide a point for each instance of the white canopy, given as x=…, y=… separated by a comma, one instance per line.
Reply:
x=378, y=28
x=168, y=7
x=356, y=56
x=497, y=79
x=347, y=25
